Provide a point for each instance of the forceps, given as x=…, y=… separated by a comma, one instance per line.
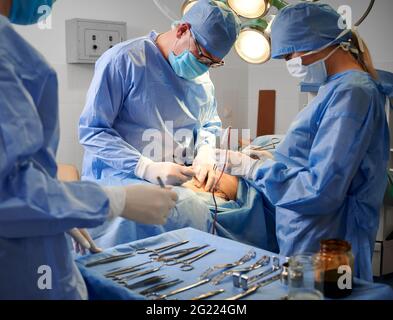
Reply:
x=176, y=255
x=264, y=261
x=138, y=275
x=250, y=255
x=236, y=274
x=121, y=271
x=246, y=281
x=110, y=259
x=255, y=288
x=177, y=291
x=186, y=263
x=272, y=145
x=157, y=251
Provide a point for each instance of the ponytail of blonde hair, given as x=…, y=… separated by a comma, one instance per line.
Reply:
x=363, y=56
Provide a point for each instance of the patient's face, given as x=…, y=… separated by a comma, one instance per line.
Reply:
x=226, y=189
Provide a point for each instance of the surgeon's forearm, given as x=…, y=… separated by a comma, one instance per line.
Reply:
x=38, y=205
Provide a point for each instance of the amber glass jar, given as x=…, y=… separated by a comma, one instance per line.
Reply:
x=334, y=269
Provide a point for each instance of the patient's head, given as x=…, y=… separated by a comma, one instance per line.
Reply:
x=226, y=189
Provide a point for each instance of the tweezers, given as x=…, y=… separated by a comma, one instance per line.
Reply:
x=161, y=249
x=137, y=275
x=146, y=282
x=110, y=259
x=125, y=270
x=153, y=290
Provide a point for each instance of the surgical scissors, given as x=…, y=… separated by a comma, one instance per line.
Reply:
x=156, y=251
x=186, y=263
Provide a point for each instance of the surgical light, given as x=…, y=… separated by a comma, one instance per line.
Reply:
x=253, y=43
x=250, y=8
x=187, y=5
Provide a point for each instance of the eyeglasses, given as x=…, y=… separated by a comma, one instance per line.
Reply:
x=205, y=59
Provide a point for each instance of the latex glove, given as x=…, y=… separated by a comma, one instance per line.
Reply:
x=171, y=173
x=255, y=153
x=203, y=166
x=206, y=173
x=238, y=164
x=145, y=204
x=83, y=241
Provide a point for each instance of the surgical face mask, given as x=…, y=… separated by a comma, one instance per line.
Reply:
x=186, y=65
x=26, y=12
x=314, y=73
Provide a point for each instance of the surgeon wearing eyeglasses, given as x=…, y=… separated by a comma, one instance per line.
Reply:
x=328, y=177
x=159, y=82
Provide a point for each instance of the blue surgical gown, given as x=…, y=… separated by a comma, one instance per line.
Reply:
x=35, y=208
x=136, y=96
x=329, y=175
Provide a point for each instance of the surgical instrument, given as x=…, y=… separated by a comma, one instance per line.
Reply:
x=255, y=288
x=260, y=263
x=121, y=271
x=157, y=251
x=186, y=263
x=236, y=274
x=191, y=286
x=161, y=183
x=250, y=255
x=144, y=283
x=246, y=281
x=176, y=255
x=110, y=259
x=152, y=291
x=272, y=145
x=208, y=295
x=137, y=275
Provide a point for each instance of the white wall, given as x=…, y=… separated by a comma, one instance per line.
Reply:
x=237, y=84
x=376, y=31
x=141, y=16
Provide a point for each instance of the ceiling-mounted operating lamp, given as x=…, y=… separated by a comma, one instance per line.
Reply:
x=250, y=9
x=253, y=43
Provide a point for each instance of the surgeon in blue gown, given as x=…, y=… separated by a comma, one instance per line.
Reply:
x=36, y=209
x=151, y=106
x=329, y=174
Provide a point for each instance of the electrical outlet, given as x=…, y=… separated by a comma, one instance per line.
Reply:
x=87, y=40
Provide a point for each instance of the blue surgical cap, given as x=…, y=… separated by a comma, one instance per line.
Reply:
x=305, y=27
x=215, y=26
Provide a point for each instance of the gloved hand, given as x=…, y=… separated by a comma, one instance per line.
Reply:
x=171, y=173
x=206, y=173
x=203, y=166
x=145, y=204
x=238, y=164
x=83, y=241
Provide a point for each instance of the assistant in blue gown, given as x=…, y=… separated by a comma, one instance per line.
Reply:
x=35, y=208
x=329, y=174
